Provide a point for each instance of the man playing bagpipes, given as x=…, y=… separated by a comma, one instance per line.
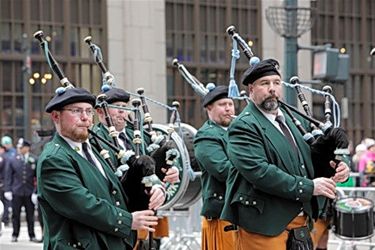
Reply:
x=210, y=152
x=271, y=188
x=82, y=201
x=124, y=131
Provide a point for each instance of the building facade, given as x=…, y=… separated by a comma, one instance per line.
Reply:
x=25, y=87
x=139, y=40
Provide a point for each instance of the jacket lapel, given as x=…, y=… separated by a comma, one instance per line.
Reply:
x=277, y=140
x=302, y=146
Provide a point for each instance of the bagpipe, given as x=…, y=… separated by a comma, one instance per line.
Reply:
x=156, y=146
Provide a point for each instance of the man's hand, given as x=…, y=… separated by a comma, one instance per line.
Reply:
x=157, y=197
x=324, y=186
x=172, y=175
x=8, y=195
x=342, y=171
x=144, y=220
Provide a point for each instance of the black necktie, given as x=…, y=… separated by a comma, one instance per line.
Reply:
x=87, y=154
x=286, y=132
x=122, y=136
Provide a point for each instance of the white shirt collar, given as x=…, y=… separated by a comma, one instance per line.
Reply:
x=272, y=117
x=76, y=146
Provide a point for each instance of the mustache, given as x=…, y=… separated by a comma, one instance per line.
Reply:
x=271, y=97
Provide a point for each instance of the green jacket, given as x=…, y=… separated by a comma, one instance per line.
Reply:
x=209, y=147
x=80, y=206
x=268, y=184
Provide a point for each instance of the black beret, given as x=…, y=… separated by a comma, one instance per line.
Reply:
x=215, y=94
x=266, y=67
x=68, y=96
x=117, y=95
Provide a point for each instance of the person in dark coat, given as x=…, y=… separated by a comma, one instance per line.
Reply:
x=5, y=215
x=19, y=188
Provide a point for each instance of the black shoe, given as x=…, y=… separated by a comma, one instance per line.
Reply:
x=14, y=239
x=33, y=239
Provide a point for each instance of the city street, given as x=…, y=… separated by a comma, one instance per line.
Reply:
x=23, y=239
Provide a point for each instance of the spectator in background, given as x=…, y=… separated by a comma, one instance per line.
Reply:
x=10, y=152
x=2, y=180
x=360, y=149
x=366, y=165
x=19, y=188
x=7, y=143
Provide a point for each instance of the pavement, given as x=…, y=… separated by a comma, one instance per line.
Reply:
x=23, y=239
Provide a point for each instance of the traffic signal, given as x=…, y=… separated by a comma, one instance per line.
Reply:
x=330, y=65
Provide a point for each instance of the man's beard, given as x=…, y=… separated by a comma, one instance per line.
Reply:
x=270, y=104
x=225, y=122
x=78, y=136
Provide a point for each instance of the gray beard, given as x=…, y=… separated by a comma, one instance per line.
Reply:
x=269, y=105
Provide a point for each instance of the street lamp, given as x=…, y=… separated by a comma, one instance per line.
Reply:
x=37, y=76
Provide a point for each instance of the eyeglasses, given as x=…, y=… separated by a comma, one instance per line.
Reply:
x=79, y=111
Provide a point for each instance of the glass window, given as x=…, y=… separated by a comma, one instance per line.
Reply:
x=35, y=10
x=18, y=10
x=19, y=111
x=57, y=10
x=83, y=46
x=169, y=18
x=5, y=37
x=179, y=25
x=74, y=16
x=203, y=48
x=189, y=13
x=85, y=81
x=212, y=48
x=4, y=8
x=189, y=43
x=203, y=19
x=85, y=15
x=7, y=111
x=46, y=10
x=74, y=42
x=18, y=38
x=7, y=76
x=58, y=40
x=97, y=9
x=169, y=44
x=19, y=77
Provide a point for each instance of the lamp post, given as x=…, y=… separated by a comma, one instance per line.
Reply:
x=26, y=71
x=290, y=22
